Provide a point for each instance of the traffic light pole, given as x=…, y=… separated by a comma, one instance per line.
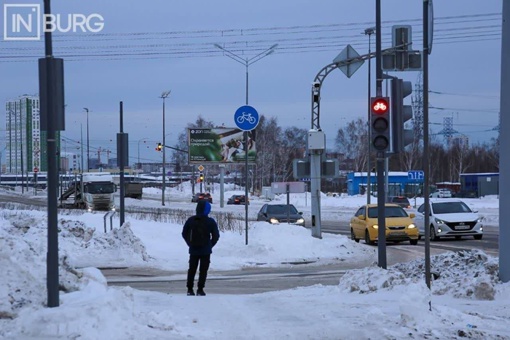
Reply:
x=381, y=155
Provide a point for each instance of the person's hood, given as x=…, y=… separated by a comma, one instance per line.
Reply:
x=203, y=208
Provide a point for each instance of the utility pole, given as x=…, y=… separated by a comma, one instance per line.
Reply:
x=504, y=157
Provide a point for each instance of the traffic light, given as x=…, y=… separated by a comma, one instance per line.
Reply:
x=400, y=114
x=380, y=123
x=159, y=147
x=201, y=177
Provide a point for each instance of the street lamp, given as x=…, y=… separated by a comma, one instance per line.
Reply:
x=247, y=62
x=88, y=140
x=164, y=95
x=369, y=31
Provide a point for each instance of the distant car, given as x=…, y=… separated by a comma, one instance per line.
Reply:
x=450, y=218
x=441, y=193
x=280, y=213
x=399, y=225
x=202, y=196
x=237, y=199
x=400, y=200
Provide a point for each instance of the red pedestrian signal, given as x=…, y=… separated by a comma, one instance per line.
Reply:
x=380, y=105
x=380, y=123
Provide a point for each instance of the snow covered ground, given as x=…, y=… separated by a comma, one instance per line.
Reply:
x=467, y=300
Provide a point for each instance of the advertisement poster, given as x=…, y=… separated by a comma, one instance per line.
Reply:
x=220, y=145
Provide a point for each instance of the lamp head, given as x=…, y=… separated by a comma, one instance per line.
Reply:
x=370, y=30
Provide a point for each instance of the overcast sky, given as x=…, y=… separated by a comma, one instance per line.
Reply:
x=172, y=48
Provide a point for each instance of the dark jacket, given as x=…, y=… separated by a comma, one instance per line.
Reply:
x=203, y=209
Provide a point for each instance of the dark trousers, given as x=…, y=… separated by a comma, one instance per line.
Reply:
x=194, y=261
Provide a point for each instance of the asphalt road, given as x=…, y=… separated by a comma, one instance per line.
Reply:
x=260, y=279
x=257, y=280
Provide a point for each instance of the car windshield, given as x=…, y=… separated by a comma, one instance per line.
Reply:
x=100, y=188
x=450, y=208
x=281, y=209
x=389, y=212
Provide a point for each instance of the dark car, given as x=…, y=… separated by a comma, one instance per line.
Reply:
x=400, y=200
x=237, y=199
x=202, y=196
x=280, y=213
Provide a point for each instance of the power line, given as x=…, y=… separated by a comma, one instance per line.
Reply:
x=197, y=43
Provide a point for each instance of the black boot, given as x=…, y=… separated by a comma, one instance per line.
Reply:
x=191, y=292
x=200, y=292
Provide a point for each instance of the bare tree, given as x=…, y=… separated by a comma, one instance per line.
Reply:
x=460, y=161
x=352, y=141
x=268, y=160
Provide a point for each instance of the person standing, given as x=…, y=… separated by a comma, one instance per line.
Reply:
x=201, y=234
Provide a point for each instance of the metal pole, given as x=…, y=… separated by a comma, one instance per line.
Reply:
x=52, y=276
x=247, y=62
x=247, y=81
x=378, y=49
x=246, y=167
x=164, y=95
x=504, y=158
x=81, y=145
x=88, y=140
x=369, y=31
x=164, y=156
x=426, y=167
x=222, y=185
x=122, y=162
x=381, y=218
x=381, y=236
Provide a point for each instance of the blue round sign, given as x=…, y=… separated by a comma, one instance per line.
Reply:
x=246, y=118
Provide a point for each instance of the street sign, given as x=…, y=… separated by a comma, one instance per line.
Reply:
x=348, y=62
x=246, y=118
x=201, y=168
x=288, y=187
x=417, y=175
x=36, y=169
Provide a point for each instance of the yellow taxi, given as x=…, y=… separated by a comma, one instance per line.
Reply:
x=399, y=225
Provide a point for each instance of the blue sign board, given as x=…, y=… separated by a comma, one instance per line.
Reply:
x=246, y=118
x=417, y=175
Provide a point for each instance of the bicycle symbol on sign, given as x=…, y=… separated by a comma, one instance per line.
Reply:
x=380, y=107
x=246, y=116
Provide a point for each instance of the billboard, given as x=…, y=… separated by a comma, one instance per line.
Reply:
x=220, y=145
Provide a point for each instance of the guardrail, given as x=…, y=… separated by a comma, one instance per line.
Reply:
x=111, y=214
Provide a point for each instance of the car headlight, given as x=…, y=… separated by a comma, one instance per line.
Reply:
x=273, y=220
x=411, y=226
x=375, y=226
x=300, y=221
x=438, y=221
